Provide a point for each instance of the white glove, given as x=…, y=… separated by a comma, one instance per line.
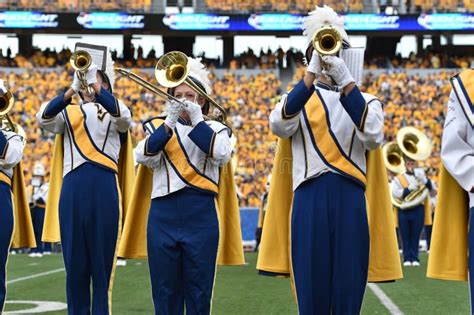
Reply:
x=315, y=64
x=195, y=112
x=91, y=75
x=336, y=68
x=173, y=111
x=76, y=84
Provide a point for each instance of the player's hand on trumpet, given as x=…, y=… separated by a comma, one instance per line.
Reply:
x=337, y=69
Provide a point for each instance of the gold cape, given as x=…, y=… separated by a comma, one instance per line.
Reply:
x=449, y=240
x=275, y=254
x=23, y=233
x=134, y=243
x=126, y=174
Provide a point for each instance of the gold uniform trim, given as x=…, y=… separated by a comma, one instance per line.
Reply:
x=324, y=141
x=4, y=178
x=83, y=142
x=180, y=163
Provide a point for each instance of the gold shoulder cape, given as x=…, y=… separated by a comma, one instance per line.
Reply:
x=449, y=240
x=134, y=244
x=23, y=233
x=126, y=174
x=275, y=255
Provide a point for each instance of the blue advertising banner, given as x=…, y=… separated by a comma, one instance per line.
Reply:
x=111, y=21
x=294, y=22
x=25, y=19
x=446, y=21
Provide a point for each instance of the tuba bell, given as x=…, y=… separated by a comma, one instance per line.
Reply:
x=80, y=61
x=414, y=144
x=6, y=105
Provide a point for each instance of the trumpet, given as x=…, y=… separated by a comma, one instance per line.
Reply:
x=171, y=71
x=6, y=104
x=414, y=144
x=327, y=41
x=80, y=61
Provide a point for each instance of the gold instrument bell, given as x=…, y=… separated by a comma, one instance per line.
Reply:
x=6, y=105
x=327, y=41
x=414, y=144
x=81, y=61
x=393, y=158
x=171, y=70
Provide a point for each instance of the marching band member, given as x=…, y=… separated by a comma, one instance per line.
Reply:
x=453, y=233
x=411, y=219
x=332, y=126
x=84, y=188
x=16, y=228
x=38, y=195
x=189, y=160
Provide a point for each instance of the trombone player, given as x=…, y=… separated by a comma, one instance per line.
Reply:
x=410, y=188
x=192, y=198
x=84, y=190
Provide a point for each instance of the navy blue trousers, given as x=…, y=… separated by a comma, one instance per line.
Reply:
x=410, y=224
x=183, y=237
x=6, y=230
x=37, y=216
x=89, y=214
x=471, y=257
x=329, y=245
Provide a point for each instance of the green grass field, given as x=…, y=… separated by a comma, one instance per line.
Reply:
x=238, y=290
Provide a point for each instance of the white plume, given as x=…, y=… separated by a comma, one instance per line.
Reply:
x=198, y=71
x=323, y=16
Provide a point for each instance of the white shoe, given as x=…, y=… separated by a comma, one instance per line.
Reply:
x=39, y=255
x=407, y=264
x=415, y=264
x=46, y=253
x=32, y=254
x=13, y=252
x=121, y=262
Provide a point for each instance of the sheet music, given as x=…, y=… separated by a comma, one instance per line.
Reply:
x=98, y=54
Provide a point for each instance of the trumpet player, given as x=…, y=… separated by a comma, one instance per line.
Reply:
x=189, y=159
x=11, y=152
x=411, y=217
x=332, y=125
x=452, y=242
x=84, y=188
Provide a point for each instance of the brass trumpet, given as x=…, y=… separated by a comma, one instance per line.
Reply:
x=171, y=71
x=327, y=41
x=6, y=104
x=80, y=61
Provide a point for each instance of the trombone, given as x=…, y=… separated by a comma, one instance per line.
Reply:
x=172, y=70
x=80, y=61
x=6, y=104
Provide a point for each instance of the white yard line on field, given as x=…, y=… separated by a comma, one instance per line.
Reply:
x=386, y=301
x=35, y=276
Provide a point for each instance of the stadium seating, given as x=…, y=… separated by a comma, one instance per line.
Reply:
x=409, y=100
x=77, y=5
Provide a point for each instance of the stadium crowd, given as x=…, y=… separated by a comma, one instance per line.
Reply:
x=248, y=60
x=77, y=5
x=409, y=100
